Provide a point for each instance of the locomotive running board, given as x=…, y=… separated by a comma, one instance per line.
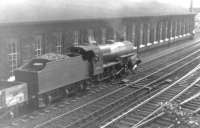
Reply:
x=110, y=64
x=124, y=56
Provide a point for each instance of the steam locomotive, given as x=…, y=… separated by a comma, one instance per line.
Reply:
x=52, y=76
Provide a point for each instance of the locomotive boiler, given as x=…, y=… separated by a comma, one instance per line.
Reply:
x=112, y=51
x=109, y=55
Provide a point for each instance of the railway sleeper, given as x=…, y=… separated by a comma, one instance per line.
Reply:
x=62, y=123
x=158, y=85
x=190, y=107
x=21, y=121
x=163, y=123
x=133, y=120
x=133, y=86
x=185, y=95
x=141, y=113
x=66, y=119
x=136, y=117
x=157, y=102
x=197, y=102
x=197, y=99
x=103, y=103
x=154, y=125
x=142, y=81
x=16, y=122
x=126, y=123
x=147, y=82
x=139, y=85
x=121, y=125
x=151, y=104
x=178, y=100
x=169, y=93
x=147, y=110
x=180, y=86
x=93, y=108
x=162, y=98
x=148, y=107
x=82, y=113
x=165, y=117
x=192, y=103
x=197, y=85
x=166, y=97
x=152, y=77
x=52, y=126
x=148, y=88
x=172, y=91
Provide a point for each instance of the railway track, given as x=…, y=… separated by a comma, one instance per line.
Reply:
x=122, y=96
x=22, y=122
x=189, y=101
x=134, y=117
x=156, y=64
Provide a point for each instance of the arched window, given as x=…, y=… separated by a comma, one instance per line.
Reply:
x=59, y=42
x=76, y=38
x=124, y=32
x=166, y=30
x=12, y=56
x=38, y=45
x=91, y=36
x=114, y=35
x=103, y=31
x=148, y=34
x=141, y=35
x=133, y=34
x=161, y=31
x=155, y=33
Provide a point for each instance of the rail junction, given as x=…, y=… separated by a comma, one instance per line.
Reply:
x=128, y=94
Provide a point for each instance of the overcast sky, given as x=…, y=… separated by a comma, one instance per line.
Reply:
x=182, y=3
x=39, y=10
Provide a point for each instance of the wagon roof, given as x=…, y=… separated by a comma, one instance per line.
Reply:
x=6, y=84
x=65, y=10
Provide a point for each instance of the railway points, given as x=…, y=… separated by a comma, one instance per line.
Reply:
x=76, y=101
x=134, y=117
x=167, y=69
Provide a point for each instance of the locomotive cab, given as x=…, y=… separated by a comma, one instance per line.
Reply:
x=93, y=55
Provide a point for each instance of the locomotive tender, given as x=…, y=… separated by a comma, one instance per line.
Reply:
x=52, y=76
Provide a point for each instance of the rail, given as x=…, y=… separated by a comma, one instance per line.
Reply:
x=146, y=101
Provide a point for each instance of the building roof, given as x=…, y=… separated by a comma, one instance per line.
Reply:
x=64, y=10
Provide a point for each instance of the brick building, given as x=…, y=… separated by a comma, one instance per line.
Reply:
x=23, y=38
